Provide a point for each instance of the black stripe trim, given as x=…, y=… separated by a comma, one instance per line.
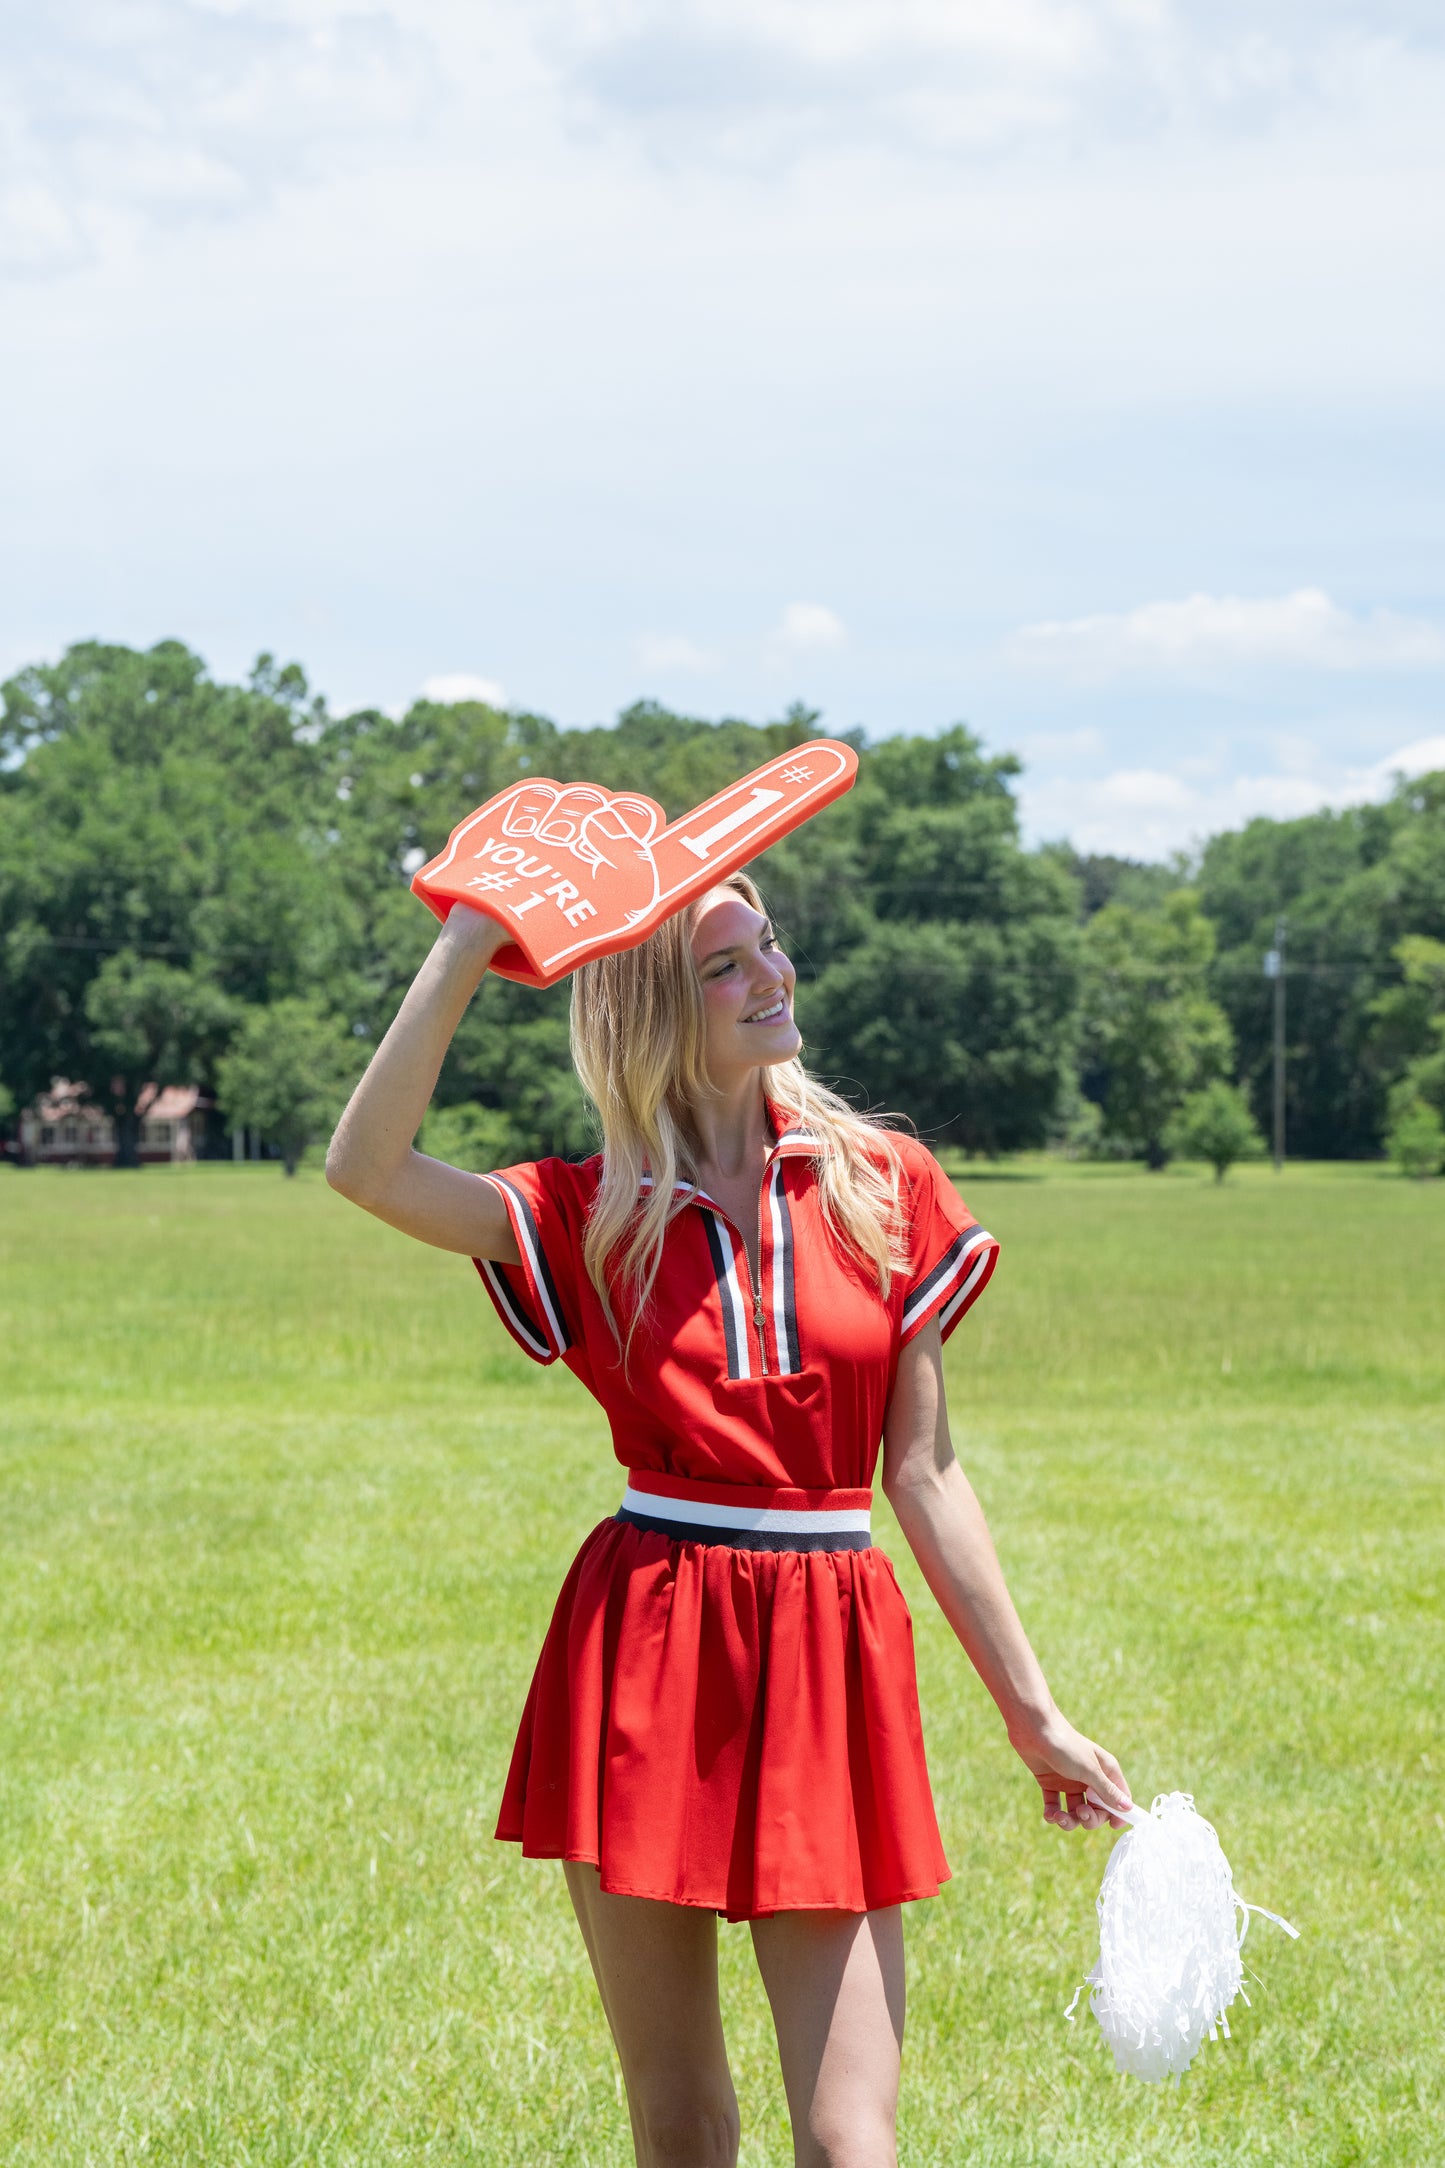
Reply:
x=717, y=1242
x=515, y=1313
x=539, y=1261
x=919, y=1299
x=747, y=1539
x=791, y=1354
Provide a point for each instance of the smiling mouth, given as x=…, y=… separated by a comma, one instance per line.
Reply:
x=771, y=1015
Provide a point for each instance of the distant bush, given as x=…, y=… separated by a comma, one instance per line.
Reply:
x=1216, y=1125
x=1416, y=1141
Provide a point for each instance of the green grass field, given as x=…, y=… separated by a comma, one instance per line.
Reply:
x=283, y=1515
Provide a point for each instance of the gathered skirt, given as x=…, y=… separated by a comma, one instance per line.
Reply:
x=735, y=1729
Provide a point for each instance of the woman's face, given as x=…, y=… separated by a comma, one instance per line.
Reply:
x=747, y=987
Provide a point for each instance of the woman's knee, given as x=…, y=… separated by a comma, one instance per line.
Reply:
x=860, y=2139
x=683, y=2128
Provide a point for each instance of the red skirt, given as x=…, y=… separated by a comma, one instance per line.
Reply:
x=736, y=1729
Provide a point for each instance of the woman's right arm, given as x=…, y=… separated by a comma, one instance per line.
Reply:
x=372, y=1159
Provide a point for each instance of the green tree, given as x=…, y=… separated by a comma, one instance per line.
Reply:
x=1103, y=878
x=1416, y=1139
x=1216, y=1125
x=150, y=1024
x=946, y=957
x=967, y=1029
x=1352, y=885
x=149, y=816
x=1408, y=1028
x=510, y=1057
x=1152, y=1035
x=466, y=1135
x=289, y=1072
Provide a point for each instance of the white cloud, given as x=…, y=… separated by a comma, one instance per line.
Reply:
x=808, y=628
x=1151, y=812
x=118, y=115
x=675, y=652
x=1423, y=757
x=1303, y=630
x=773, y=80
x=461, y=685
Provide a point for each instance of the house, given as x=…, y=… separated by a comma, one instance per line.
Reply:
x=65, y=1130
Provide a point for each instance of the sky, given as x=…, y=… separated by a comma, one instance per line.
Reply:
x=1074, y=369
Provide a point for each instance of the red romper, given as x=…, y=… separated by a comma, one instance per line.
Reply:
x=725, y=1711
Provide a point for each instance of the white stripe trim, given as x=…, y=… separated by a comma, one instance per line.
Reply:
x=956, y=1302
x=780, y=1279
x=778, y=1520
x=927, y=1296
x=742, y=1310
x=537, y=1278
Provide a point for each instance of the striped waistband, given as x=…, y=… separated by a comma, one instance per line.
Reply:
x=747, y=1518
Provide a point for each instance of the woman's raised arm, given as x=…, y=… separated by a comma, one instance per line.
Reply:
x=372, y=1159
x=948, y=1535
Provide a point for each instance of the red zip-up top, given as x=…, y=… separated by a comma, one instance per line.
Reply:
x=783, y=1383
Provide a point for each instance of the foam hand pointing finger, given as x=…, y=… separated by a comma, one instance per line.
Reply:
x=574, y=871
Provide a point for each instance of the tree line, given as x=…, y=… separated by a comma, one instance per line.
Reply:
x=207, y=883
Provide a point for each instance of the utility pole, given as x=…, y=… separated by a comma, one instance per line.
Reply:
x=1274, y=969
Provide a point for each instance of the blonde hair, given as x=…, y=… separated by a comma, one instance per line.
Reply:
x=638, y=1045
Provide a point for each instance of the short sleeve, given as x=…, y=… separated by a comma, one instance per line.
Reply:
x=536, y=1299
x=951, y=1257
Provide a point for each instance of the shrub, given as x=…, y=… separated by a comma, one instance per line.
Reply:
x=1216, y=1125
x=1416, y=1141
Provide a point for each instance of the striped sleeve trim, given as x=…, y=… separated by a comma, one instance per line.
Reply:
x=536, y=1323
x=953, y=1284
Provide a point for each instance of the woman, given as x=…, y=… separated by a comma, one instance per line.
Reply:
x=756, y=1284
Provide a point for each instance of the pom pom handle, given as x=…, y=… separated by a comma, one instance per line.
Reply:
x=1136, y=1817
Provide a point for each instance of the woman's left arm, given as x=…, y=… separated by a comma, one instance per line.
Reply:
x=948, y=1535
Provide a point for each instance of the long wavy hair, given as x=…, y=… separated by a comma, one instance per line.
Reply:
x=638, y=1032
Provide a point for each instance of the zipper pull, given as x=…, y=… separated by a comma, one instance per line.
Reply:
x=758, y=1321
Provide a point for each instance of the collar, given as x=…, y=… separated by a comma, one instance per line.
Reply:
x=796, y=1141
x=793, y=1140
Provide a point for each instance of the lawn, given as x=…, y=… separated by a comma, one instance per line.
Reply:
x=283, y=1515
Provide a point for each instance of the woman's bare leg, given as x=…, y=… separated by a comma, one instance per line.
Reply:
x=656, y=1970
x=835, y=1983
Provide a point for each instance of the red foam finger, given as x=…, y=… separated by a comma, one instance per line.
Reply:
x=574, y=871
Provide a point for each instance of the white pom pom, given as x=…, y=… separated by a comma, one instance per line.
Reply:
x=1170, y=1930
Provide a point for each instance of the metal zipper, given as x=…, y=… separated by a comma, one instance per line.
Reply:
x=756, y=1293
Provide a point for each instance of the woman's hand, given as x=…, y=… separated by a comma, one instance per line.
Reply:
x=1065, y=1764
